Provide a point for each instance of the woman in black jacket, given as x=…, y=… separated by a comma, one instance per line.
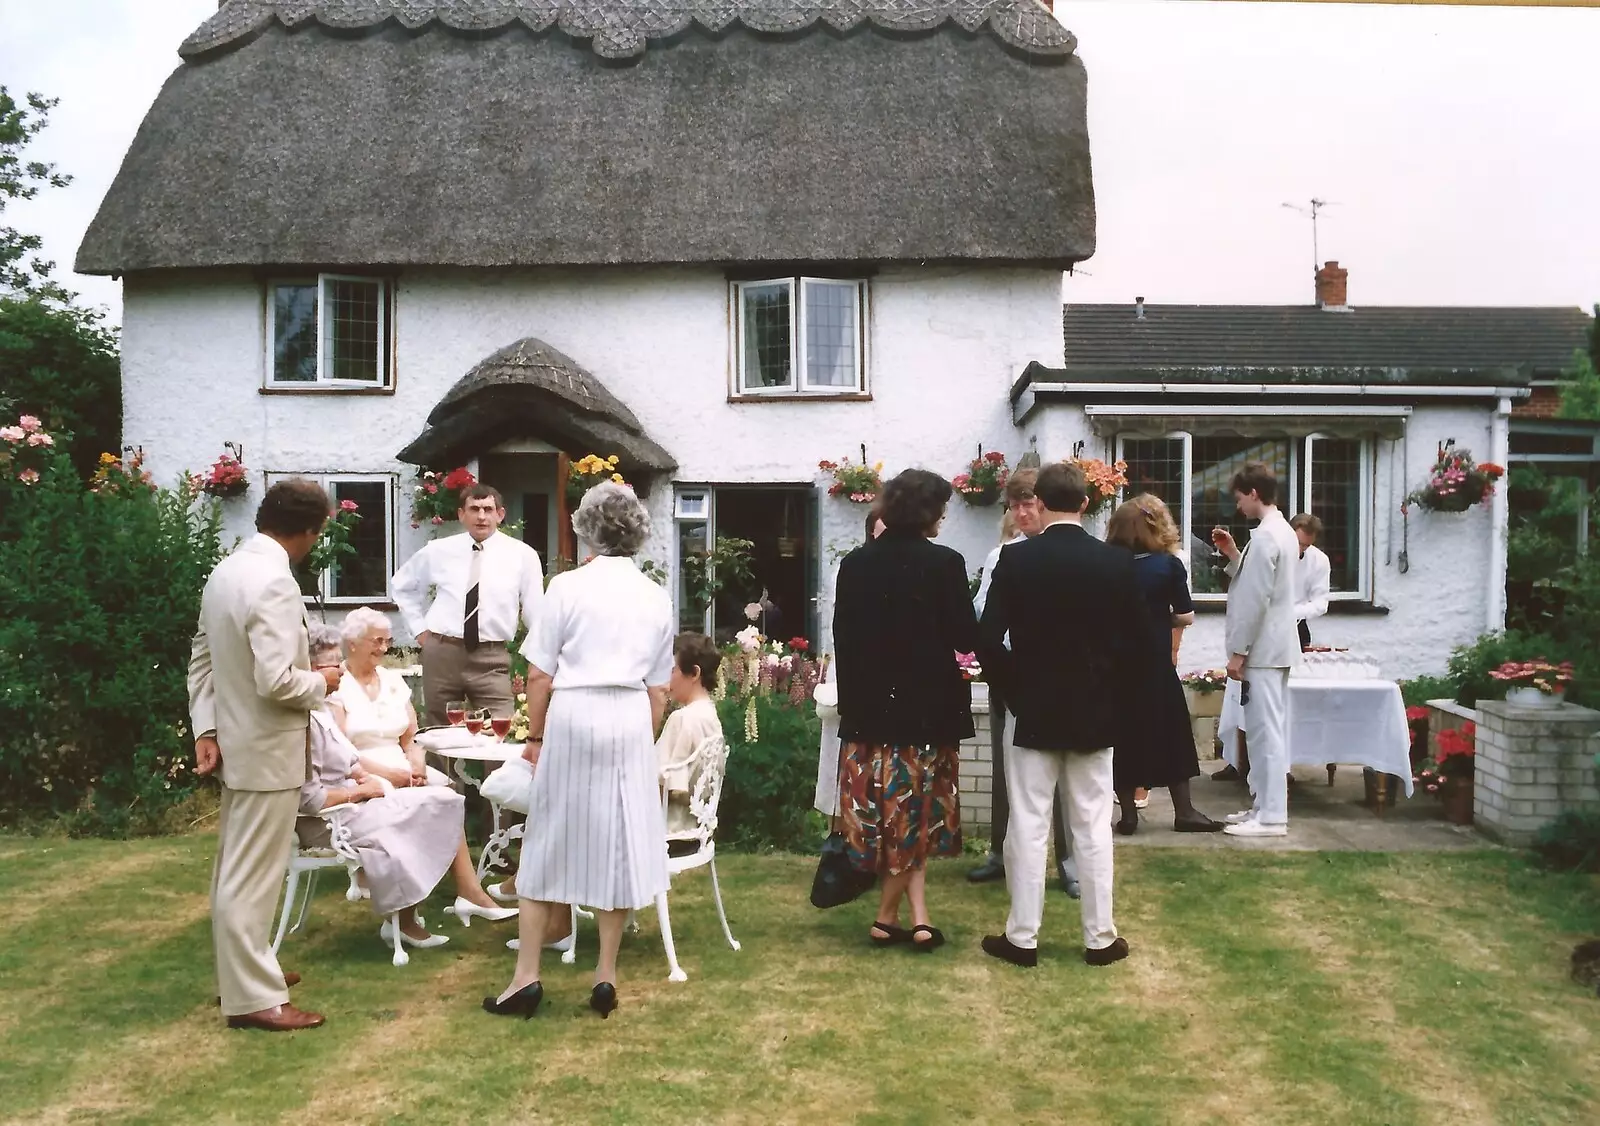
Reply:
x=901, y=614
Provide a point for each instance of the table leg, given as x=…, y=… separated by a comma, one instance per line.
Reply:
x=1380, y=794
x=1332, y=766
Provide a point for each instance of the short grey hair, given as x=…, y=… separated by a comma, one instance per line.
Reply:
x=612, y=520
x=360, y=622
x=324, y=639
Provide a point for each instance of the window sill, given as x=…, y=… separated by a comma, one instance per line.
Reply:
x=312, y=389
x=1342, y=608
x=802, y=397
x=354, y=603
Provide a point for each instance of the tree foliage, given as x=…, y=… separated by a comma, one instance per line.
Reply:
x=21, y=268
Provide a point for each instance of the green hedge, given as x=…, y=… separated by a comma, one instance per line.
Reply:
x=99, y=595
x=767, y=794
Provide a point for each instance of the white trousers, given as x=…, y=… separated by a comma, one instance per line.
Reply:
x=1266, y=723
x=1085, y=781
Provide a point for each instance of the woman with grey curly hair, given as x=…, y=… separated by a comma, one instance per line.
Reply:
x=598, y=672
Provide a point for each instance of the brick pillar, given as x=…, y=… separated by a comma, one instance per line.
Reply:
x=977, y=766
x=1532, y=764
x=1333, y=286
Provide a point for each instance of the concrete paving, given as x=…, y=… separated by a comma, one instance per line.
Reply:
x=1322, y=818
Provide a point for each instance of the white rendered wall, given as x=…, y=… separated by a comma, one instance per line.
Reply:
x=944, y=346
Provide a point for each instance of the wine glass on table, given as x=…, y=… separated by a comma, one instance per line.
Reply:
x=455, y=712
x=474, y=721
x=501, y=726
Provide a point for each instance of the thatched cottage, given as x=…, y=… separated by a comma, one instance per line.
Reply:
x=725, y=240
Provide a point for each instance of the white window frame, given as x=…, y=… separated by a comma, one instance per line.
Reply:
x=692, y=504
x=327, y=481
x=325, y=342
x=800, y=384
x=1298, y=485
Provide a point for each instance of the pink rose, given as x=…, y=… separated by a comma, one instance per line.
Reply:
x=11, y=433
x=347, y=506
x=40, y=439
x=28, y=476
x=438, y=519
x=29, y=423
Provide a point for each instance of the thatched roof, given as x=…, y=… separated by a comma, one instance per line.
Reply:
x=494, y=133
x=529, y=389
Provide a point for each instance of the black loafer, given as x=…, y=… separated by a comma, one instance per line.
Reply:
x=1226, y=774
x=1199, y=823
x=993, y=868
x=999, y=946
x=1104, y=956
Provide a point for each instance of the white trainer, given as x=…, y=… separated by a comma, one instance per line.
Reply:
x=1241, y=816
x=1254, y=828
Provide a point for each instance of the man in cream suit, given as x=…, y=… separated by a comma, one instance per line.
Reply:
x=251, y=692
x=1263, y=644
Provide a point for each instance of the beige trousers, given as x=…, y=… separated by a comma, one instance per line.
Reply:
x=255, y=833
x=450, y=672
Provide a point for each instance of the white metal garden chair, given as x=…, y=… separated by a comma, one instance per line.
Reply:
x=305, y=863
x=710, y=762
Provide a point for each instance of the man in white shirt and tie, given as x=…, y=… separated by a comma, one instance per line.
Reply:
x=482, y=584
x=1263, y=645
x=1311, y=599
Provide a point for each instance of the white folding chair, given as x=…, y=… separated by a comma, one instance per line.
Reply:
x=305, y=863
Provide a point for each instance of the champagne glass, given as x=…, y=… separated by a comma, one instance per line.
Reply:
x=474, y=721
x=455, y=712
x=501, y=725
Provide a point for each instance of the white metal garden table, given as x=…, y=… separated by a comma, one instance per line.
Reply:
x=490, y=752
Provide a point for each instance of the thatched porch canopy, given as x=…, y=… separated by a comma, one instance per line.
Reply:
x=529, y=389
x=316, y=133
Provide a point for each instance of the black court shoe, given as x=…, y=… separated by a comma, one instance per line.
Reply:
x=603, y=999
x=523, y=1003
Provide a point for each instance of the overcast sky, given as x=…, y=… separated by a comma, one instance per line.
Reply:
x=1459, y=146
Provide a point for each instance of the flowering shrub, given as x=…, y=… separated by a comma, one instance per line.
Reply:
x=227, y=476
x=436, y=497
x=587, y=472
x=113, y=474
x=333, y=545
x=99, y=594
x=859, y=484
x=984, y=480
x=1104, y=481
x=1538, y=673
x=1456, y=482
x=25, y=449
x=1454, y=763
x=969, y=666
x=1206, y=681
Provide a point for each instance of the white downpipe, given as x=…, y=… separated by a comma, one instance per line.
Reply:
x=1500, y=517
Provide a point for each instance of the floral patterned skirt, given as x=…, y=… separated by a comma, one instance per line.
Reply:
x=898, y=805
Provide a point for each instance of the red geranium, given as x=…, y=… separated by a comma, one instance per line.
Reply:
x=799, y=644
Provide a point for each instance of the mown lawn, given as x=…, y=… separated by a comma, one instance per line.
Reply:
x=1263, y=988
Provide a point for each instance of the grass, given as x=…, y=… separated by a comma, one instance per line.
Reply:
x=1263, y=988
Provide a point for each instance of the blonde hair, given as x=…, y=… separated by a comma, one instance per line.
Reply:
x=1008, y=527
x=1144, y=524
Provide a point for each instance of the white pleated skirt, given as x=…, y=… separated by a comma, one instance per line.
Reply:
x=595, y=834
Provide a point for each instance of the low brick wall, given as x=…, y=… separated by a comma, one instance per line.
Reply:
x=977, y=768
x=1531, y=765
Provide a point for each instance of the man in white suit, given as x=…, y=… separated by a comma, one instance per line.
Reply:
x=1263, y=644
x=251, y=693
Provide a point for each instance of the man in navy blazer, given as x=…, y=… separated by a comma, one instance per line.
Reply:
x=1071, y=606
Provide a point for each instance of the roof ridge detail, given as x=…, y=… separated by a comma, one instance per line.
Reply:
x=622, y=28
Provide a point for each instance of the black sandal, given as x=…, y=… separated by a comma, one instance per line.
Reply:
x=934, y=940
x=892, y=935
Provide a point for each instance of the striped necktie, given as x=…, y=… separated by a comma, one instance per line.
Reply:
x=469, y=628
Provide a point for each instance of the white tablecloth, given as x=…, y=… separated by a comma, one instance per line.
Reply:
x=1362, y=722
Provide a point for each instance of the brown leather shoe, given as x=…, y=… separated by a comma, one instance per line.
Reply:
x=280, y=1018
x=1105, y=955
x=290, y=980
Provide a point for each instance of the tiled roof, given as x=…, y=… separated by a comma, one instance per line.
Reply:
x=1304, y=342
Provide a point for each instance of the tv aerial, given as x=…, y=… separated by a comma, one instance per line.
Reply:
x=1311, y=212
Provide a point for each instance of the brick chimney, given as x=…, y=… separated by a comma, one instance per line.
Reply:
x=1332, y=292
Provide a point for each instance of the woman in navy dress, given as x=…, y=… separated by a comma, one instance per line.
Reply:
x=1160, y=749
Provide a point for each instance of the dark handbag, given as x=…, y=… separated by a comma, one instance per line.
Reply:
x=836, y=882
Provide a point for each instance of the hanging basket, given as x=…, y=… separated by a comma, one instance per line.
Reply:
x=984, y=499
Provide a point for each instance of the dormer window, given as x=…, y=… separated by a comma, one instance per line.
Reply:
x=800, y=337
x=329, y=332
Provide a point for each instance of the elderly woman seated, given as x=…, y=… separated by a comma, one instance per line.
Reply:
x=410, y=842
x=373, y=705
x=690, y=684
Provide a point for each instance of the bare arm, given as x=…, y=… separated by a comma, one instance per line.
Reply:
x=658, y=706
x=409, y=588
x=540, y=684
